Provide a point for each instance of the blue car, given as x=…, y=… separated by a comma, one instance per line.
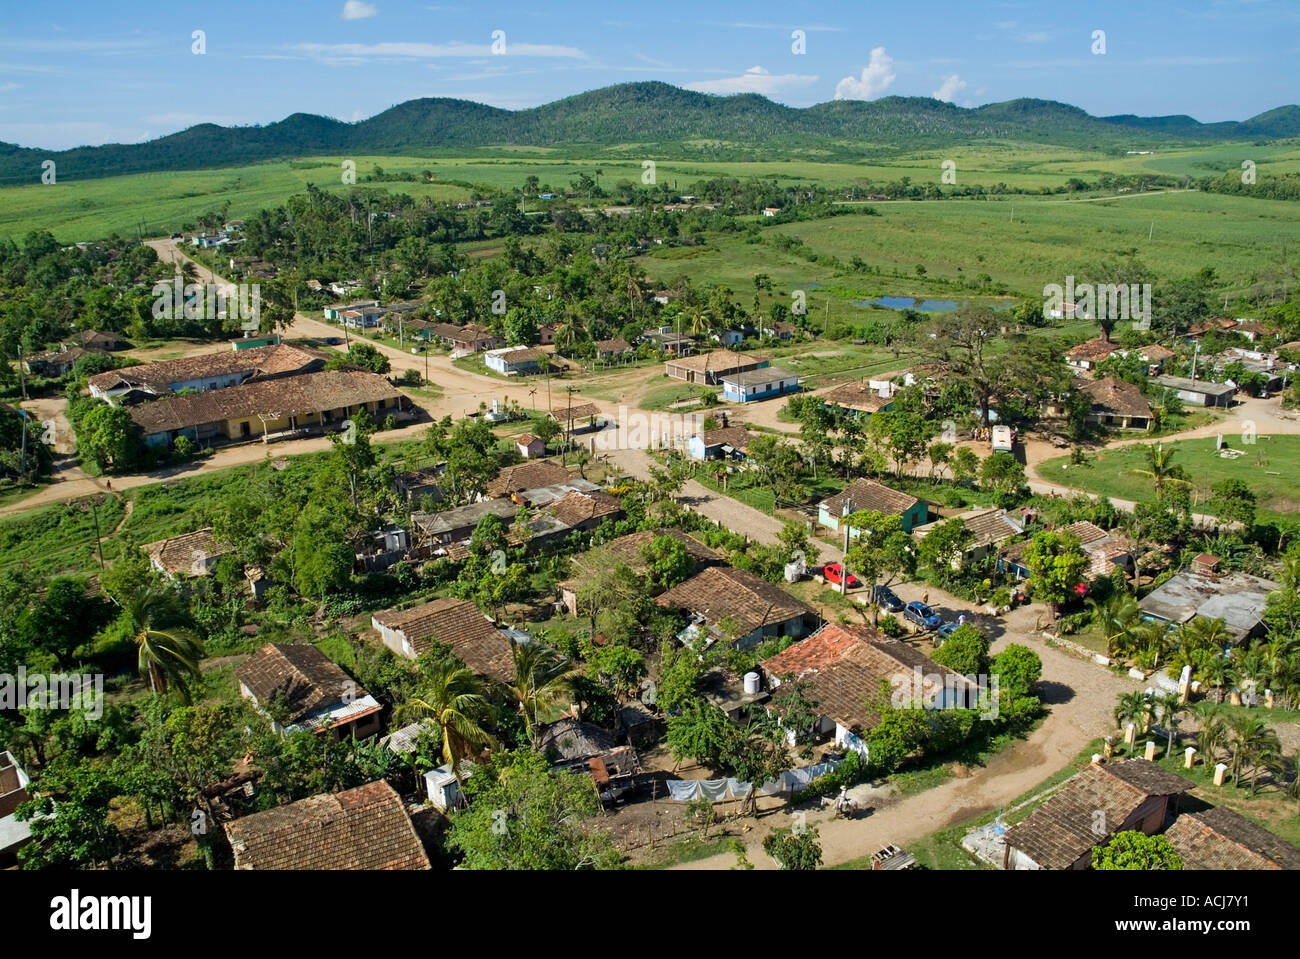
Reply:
x=922, y=615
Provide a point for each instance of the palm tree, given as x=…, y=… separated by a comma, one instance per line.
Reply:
x=1116, y=617
x=1217, y=673
x=1172, y=708
x=452, y=697
x=1213, y=732
x=1159, y=469
x=541, y=678
x=699, y=322
x=1132, y=708
x=1252, y=743
x=169, y=649
x=1252, y=666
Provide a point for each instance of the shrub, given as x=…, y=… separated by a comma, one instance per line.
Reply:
x=890, y=626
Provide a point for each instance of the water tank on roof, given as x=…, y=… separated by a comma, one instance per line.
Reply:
x=751, y=683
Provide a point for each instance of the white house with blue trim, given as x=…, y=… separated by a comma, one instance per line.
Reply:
x=760, y=384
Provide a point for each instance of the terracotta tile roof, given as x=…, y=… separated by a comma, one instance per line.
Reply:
x=844, y=666
x=1095, y=350
x=988, y=526
x=1254, y=326
x=364, y=828
x=616, y=345
x=259, y=361
x=627, y=549
x=719, y=592
x=525, y=355
x=579, y=413
x=857, y=396
x=717, y=361
x=302, y=675
x=868, y=494
x=1218, y=838
x=1059, y=832
x=1086, y=532
x=1116, y=397
x=577, y=508
x=737, y=437
x=525, y=476
x=303, y=395
x=178, y=554
x=1155, y=353
x=459, y=624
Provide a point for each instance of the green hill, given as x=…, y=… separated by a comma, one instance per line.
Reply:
x=633, y=115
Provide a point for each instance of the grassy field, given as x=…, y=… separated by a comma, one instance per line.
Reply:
x=1022, y=243
x=1269, y=468
x=154, y=203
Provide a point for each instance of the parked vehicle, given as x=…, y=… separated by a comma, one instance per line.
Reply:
x=886, y=599
x=946, y=630
x=834, y=573
x=921, y=615
x=1004, y=440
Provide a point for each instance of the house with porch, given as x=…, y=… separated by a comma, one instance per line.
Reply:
x=299, y=688
x=989, y=529
x=516, y=360
x=1117, y=404
x=760, y=384
x=727, y=442
x=860, y=398
x=709, y=368
x=1199, y=392
x=867, y=494
x=737, y=607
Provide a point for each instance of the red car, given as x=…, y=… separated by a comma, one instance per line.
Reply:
x=834, y=572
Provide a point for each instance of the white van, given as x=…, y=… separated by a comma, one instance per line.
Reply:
x=1002, y=442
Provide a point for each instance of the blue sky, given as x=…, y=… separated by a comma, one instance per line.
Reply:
x=75, y=73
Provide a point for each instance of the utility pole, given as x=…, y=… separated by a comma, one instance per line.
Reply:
x=99, y=544
x=22, y=379
x=22, y=460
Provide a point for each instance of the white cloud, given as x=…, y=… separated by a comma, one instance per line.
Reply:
x=754, y=80
x=876, y=78
x=7, y=87
x=357, y=10
x=949, y=89
x=1035, y=36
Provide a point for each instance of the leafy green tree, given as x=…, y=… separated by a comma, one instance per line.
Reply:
x=794, y=848
x=669, y=562
x=1056, y=564
x=1161, y=469
x=879, y=548
x=359, y=356
x=1234, y=502
x=107, y=435
x=522, y=816
x=168, y=647
x=965, y=464
x=943, y=547
x=1018, y=668
x=965, y=651
x=1133, y=849
x=540, y=679
x=69, y=817
x=1002, y=473
x=622, y=666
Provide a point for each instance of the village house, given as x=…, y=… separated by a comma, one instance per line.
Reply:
x=362, y=317
x=841, y=669
x=666, y=341
x=574, y=746
x=1089, y=808
x=780, y=330
x=727, y=442
x=710, y=368
x=191, y=554
x=516, y=360
x=1087, y=355
x=586, y=511
x=453, y=525
x=614, y=349
x=55, y=363
x=299, y=688
x=1154, y=356
x=546, y=335
x=989, y=528
x=736, y=606
x=758, y=384
x=1117, y=404
x=529, y=446
x=1199, y=392
x=860, y=398
x=207, y=371
x=541, y=496
x=473, y=638
x=13, y=792
x=335, y=311
x=414, y=485
x=1239, y=599
x=269, y=409
x=1105, y=550
x=1220, y=839
x=729, y=338
x=867, y=494
x=628, y=550
x=526, y=476
x=366, y=828
x=1255, y=331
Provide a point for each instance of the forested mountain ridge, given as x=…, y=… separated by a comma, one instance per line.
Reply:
x=617, y=117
